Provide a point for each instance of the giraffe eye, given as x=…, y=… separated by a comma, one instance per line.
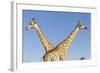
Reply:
x=80, y=25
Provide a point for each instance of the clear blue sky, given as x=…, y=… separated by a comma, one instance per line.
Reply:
x=56, y=26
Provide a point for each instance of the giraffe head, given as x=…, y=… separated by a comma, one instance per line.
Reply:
x=81, y=26
x=31, y=25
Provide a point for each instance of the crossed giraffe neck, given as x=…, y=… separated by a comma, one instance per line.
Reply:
x=60, y=52
x=47, y=44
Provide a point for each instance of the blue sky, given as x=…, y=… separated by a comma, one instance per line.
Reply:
x=56, y=26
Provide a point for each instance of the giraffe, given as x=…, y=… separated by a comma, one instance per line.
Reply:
x=60, y=52
x=47, y=44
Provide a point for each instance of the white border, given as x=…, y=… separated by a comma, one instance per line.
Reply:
x=17, y=37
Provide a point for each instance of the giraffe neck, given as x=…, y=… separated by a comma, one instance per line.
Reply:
x=47, y=45
x=67, y=42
